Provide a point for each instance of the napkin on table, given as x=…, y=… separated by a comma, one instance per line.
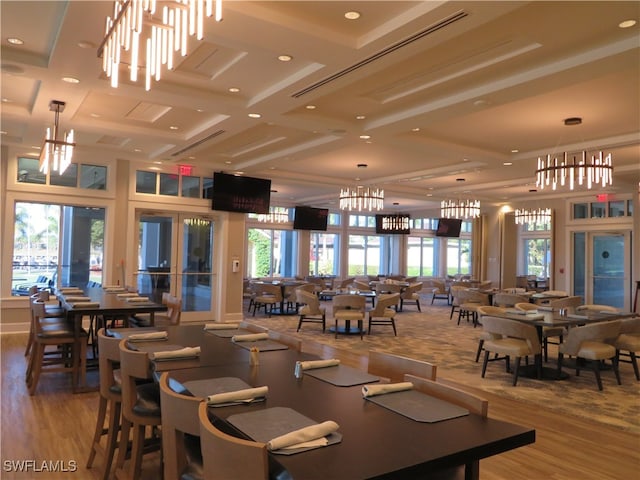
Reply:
x=126, y=295
x=221, y=326
x=75, y=291
x=114, y=289
x=85, y=304
x=311, y=364
x=237, y=395
x=372, y=390
x=77, y=299
x=149, y=336
x=186, y=352
x=311, y=436
x=137, y=299
x=250, y=337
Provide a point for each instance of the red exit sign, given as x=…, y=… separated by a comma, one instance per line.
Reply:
x=185, y=169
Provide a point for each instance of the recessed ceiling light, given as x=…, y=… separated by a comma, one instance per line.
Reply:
x=199, y=110
x=515, y=150
x=86, y=44
x=3, y=132
x=94, y=115
x=285, y=58
x=365, y=137
x=15, y=41
x=173, y=127
x=415, y=129
x=627, y=24
x=352, y=15
x=507, y=164
x=310, y=107
x=137, y=150
x=429, y=194
x=254, y=115
x=227, y=162
x=234, y=89
x=6, y=100
x=360, y=117
x=70, y=80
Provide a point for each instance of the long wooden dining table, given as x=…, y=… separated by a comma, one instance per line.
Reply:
x=101, y=303
x=376, y=442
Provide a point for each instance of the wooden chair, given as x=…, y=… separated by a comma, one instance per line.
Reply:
x=311, y=310
x=181, y=447
x=394, y=367
x=383, y=314
x=513, y=339
x=592, y=342
x=226, y=457
x=140, y=409
x=411, y=294
x=110, y=404
x=349, y=308
x=68, y=348
x=451, y=393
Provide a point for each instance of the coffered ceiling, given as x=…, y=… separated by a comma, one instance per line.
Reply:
x=422, y=92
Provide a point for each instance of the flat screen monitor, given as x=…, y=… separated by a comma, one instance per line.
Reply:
x=448, y=227
x=309, y=218
x=394, y=224
x=235, y=193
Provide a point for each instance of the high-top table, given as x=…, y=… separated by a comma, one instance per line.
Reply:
x=376, y=442
x=108, y=304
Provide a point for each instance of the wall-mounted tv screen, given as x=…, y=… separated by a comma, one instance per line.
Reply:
x=309, y=218
x=448, y=227
x=395, y=224
x=235, y=193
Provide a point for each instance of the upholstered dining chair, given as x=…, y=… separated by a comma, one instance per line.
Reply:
x=383, y=313
x=547, y=332
x=311, y=310
x=451, y=393
x=269, y=296
x=628, y=343
x=349, y=308
x=513, y=339
x=483, y=310
x=290, y=341
x=69, y=353
x=53, y=314
x=438, y=290
x=110, y=403
x=144, y=319
x=470, y=301
x=140, y=411
x=508, y=299
x=411, y=294
x=181, y=447
x=394, y=367
x=592, y=342
x=454, y=292
x=593, y=307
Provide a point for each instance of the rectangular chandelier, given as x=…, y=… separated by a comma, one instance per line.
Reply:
x=149, y=40
x=396, y=223
x=56, y=154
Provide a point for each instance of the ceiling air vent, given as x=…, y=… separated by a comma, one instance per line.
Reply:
x=392, y=48
x=198, y=143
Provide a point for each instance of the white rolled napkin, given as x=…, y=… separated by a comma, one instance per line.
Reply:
x=127, y=295
x=149, y=336
x=114, y=289
x=311, y=436
x=381, y=389
x=237, y=395
x=77, y=299
x=85, y=304
x=186, y=352
x=221, y=326
x=250, y=337
x=137, y=299
x=311, y=364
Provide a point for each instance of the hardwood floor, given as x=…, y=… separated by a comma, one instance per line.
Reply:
x=55, y=427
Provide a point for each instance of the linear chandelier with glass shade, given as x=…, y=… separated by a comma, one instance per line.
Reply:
x=557, y=172
x=541, y=216
x=361, y=198
x=460, y=209
x=275, y=215
x=149, y=41
x=55, y=154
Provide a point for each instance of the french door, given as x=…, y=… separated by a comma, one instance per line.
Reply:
x=602, y=264
x=175, y=255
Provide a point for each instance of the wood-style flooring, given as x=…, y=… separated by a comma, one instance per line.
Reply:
x=55, y=427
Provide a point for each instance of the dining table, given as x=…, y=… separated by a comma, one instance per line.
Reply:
x=98, y=301
x=376, y=442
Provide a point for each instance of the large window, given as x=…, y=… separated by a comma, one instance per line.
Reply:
x=536, y=249
x=56, y=244
x=458, y=256
x=421, y=257
x=323, y=258
x=364, y=255
x=271, y=253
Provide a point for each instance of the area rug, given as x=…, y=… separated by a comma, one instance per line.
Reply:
x=430, y=335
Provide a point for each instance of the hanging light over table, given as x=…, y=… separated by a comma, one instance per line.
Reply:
x=55, y=154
